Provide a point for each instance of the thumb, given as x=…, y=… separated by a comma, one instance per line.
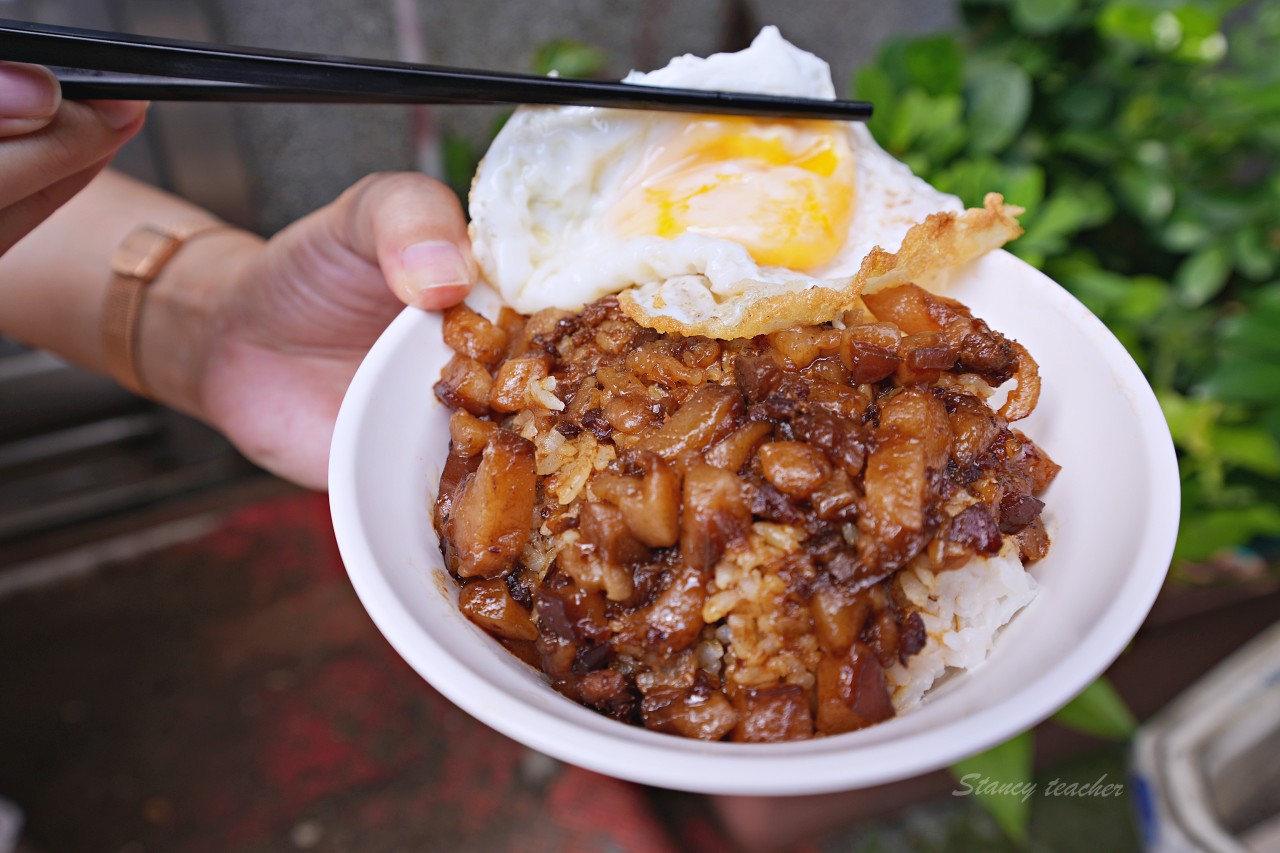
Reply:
x=29, y=98
x=414, y=228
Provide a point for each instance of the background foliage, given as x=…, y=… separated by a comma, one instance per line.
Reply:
x=1143, y=139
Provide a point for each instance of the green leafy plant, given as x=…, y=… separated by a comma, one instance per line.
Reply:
x=1143, y=139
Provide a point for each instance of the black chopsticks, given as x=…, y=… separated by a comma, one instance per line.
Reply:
x=95, y=64
x=80, y=85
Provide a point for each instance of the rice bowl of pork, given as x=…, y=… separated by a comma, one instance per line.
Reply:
x=1112, y=513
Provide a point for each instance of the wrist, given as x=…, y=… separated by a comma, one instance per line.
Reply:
x=185, y=308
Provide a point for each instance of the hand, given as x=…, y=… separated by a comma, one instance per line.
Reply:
x=298, y=315
x=50, y=149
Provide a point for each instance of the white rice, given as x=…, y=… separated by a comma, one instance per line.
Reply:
x=963, y=611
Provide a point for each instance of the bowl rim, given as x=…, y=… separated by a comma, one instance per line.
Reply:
x=801, y=767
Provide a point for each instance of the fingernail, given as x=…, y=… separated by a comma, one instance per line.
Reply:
x=433, y=264
x=118, y=115
x=27, y=91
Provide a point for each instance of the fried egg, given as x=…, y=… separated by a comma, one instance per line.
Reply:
x=573, y=203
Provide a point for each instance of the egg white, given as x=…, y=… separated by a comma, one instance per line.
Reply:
x=547, y=194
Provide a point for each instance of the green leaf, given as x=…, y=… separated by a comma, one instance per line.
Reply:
x=1200, y=277
x=892, y=58
x=1084, y=103
x=1196, y=20
x=1095, y=146
x=1223, y=210
x=969, y=179
x=1206, y=532
x=1251, y=335
x=1267, y=299
x=1098, y=711
x=1190, y=420
x=1271, y=419
x=1252, y=448
x=1023, y=186
x=1184, y=233
x=1254, y=258
x=1152, y=153
x=1142, y=111
x=1189, y=32
x=1146, y=190
x=568, y=58
x=1040, y=17
x=1006, y=771
x=1071, y=208
x=1207, y=49
x=1199, y=37
x=999, y=96
x=1032, y=255
x=1133, y=342
x=918, y=162
x=1145, y=298
x=935, y=64
x=920, y=116
x=1128, y=22
x=1183, y=346
x=1100, y=290
x=941, y=145
x=1065, y=212
x=872, y=83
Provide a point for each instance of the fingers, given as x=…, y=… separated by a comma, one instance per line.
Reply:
x=19, y=219
x=30, y=97
x=414, y=227
x=44, y=140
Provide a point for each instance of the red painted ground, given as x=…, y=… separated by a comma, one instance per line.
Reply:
x=231, y=694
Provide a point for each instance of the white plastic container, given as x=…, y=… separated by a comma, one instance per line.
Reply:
x=1206, y=769
x=1113, y=513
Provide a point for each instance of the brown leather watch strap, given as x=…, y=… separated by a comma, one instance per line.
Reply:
x=137, y=263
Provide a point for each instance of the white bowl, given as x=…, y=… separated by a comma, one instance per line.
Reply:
x=1113, y=511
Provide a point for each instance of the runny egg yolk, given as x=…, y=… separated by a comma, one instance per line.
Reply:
x=782, y=190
